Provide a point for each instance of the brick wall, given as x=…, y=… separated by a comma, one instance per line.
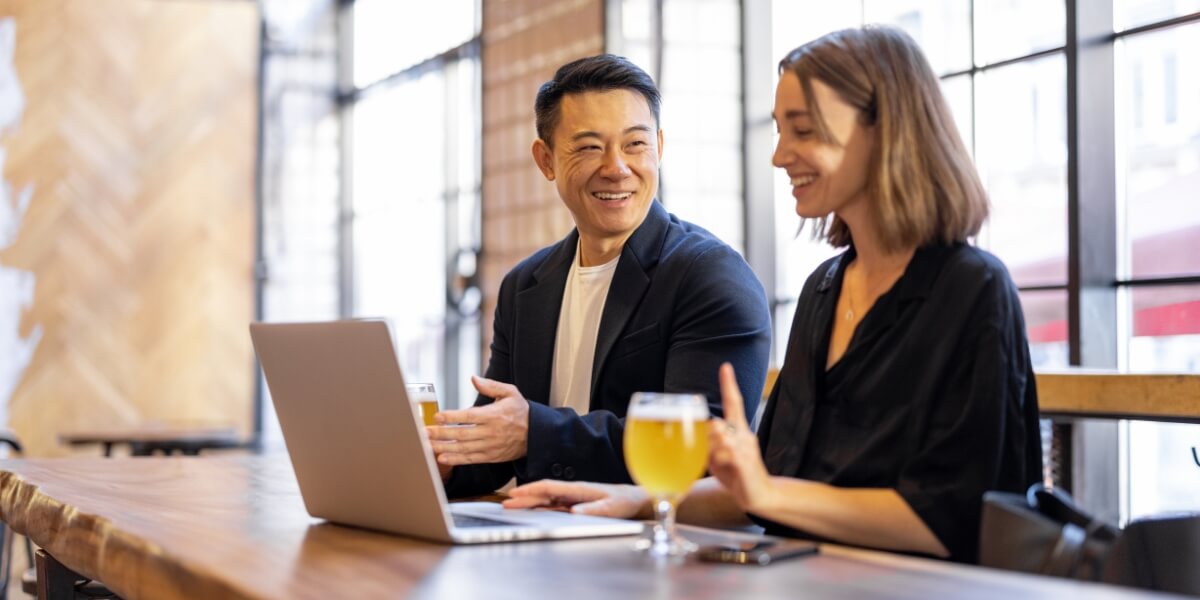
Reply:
x=524, y=42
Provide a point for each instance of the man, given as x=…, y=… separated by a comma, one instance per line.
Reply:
x=632, y=300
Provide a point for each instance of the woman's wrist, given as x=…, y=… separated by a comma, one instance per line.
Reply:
x=766, y=500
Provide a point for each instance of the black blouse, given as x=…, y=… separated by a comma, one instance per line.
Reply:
x=934, y=397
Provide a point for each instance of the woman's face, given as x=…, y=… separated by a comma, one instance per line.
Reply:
x=826, y=177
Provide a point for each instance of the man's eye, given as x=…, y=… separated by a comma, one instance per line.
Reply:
x=589, y=148
x=802, y=132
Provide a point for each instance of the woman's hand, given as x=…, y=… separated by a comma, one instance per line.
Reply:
x=601, y=499
x=734, y=457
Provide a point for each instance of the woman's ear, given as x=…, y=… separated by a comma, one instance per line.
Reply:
x=543, y=156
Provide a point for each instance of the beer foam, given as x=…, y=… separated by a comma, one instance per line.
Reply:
x=422, y=397
x=655, y=412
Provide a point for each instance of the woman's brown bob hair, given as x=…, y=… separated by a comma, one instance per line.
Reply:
x=921, y=180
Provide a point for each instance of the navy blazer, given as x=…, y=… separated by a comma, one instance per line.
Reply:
x=681, y=303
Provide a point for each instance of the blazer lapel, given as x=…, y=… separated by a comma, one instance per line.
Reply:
x=629, y=285
x=538, y=308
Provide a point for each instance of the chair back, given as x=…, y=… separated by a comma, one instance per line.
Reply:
x=1158, y=553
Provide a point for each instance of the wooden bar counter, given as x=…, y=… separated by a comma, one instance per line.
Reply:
x=235, y=527
x=1084, y=393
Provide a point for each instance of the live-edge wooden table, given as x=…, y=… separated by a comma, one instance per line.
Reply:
x=235, y=527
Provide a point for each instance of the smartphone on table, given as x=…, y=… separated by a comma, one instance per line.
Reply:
x=760, y=553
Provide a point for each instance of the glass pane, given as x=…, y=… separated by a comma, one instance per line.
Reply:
x=941, y=27
x=704, y=22
x=1158, y=83
x=1007, y=29
x=1165, y=328
x=959, y=96
x=1165, y=336
x=1132, y=13
x=390, y=36
x=464, y=76
x=637, y=16
x=1021, y=148
x=399, y=211
x=794, y=23
x=1046, y=326
x=702, y=115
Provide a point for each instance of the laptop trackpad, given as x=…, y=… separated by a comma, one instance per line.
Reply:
x=491, y=511
x=461, y=520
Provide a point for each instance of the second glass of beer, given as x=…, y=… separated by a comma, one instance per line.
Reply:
x=423, y=399
x=666, y=449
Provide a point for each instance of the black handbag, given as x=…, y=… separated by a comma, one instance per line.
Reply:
x=1044, y=532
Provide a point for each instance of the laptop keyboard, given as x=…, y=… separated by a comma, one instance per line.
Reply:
x=469, y=521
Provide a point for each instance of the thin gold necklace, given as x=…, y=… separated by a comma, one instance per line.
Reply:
x=851, y=312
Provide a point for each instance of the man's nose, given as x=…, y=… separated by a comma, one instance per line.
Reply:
x=614, y=166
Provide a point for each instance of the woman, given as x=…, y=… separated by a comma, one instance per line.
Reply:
x=906, y=391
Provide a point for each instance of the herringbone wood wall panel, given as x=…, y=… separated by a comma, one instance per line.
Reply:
x=139, y=137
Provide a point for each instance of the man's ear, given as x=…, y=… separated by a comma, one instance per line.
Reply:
x=544, y=158
x=660, y=145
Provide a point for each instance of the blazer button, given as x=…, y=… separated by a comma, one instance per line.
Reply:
x=556, y=470
x=569, y=472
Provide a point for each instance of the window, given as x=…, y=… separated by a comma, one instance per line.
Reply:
x=414, y=184
x=368, y=163
x=1161, y=154
x=693, y=51
x=1021, y=153
x=1160, y=245
x=1136, y=13
x=391, y=36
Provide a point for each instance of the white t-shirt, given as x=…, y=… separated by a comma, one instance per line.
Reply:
x=578, y=325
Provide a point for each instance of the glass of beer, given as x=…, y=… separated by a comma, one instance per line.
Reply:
x=666, y=450
x=424, y=400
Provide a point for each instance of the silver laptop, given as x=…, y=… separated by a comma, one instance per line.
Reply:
x=361, y=455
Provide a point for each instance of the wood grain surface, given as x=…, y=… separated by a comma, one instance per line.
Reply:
x=138, y=138
x=235, y=527
x=1164, y=397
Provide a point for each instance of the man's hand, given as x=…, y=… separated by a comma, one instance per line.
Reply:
x=498, y=432
x=734, y=457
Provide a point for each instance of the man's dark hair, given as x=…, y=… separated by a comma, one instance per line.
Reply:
x=601, y=73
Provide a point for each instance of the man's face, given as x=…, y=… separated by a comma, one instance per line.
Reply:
x=604, y=162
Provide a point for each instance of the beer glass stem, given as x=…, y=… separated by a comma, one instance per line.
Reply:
x=665, y=542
